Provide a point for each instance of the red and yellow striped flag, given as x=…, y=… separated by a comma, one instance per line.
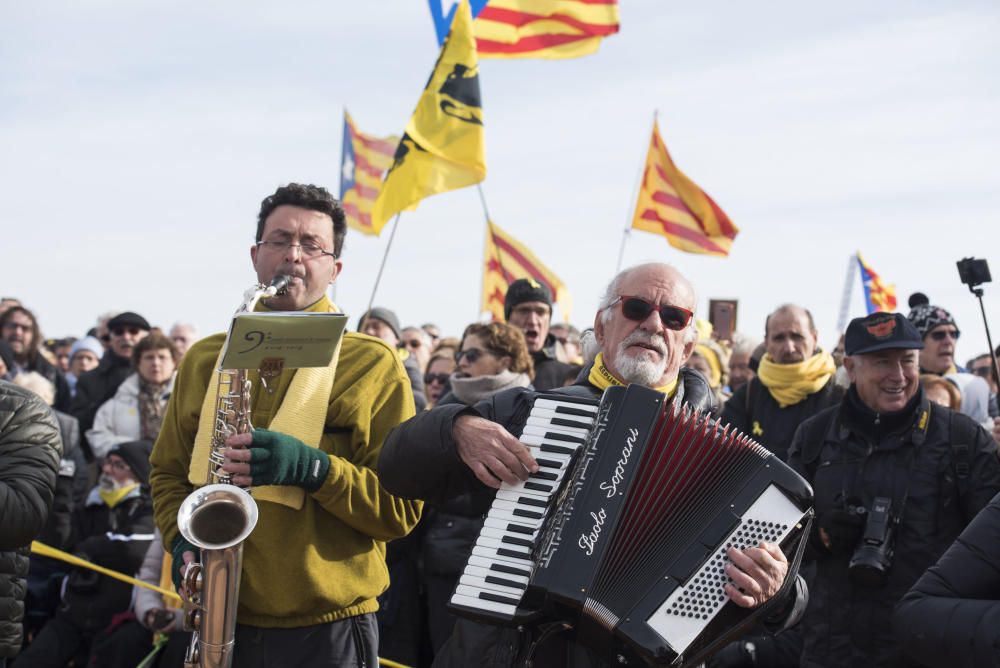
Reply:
x=552, y=29
x=505, y=260
x=879, y=296
x=672, y=205
x=363, y=162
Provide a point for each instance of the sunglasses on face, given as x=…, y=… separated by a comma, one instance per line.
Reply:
x=472, y=355
x=120, y=331
x=942, y=334
x=638, y=309
x=441, y=378
x=983, y=371
x=412, y=343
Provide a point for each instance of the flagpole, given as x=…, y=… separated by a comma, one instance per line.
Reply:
x=489, y=233
x=845, y=297
x=635, y=193
x=385, y=256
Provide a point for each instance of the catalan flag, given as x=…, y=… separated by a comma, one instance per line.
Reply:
x=672, y=205
x=534, y=28
x=505, y=260
x=443, y=147
x=363, y=162
x=878, y=295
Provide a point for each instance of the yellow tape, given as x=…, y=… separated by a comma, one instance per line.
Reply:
x=44, y=550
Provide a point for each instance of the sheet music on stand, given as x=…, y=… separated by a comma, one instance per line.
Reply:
x=290, y=340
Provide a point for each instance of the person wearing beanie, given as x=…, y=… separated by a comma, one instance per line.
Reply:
x=528, y=306
x=712, y=360
x=795, y=380
x=383, y=324
x=940, y=333
x=113, y=529
x=96, y=386
x=885, y=453
x=84, y=355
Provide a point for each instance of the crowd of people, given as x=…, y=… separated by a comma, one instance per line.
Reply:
x=372, y=476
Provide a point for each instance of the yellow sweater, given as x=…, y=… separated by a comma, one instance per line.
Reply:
x=326, y=561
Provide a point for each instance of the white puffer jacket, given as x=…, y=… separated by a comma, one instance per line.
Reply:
x=117, y=420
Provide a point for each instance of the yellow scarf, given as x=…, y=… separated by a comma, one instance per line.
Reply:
x=112, y=497
x=602, y=379
x=302, y=414
x=791, y=383
x=710, y=356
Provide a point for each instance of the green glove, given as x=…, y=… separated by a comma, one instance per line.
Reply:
x=177, y=551
x=280, y=459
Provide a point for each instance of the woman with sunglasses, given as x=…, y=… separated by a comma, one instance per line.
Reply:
x=492, y=358
x=437, y=379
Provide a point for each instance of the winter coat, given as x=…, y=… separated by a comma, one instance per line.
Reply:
x=30, y=448
x=96, y=386
x=117, y=420
x=756, y=413
x=71, y=485
x=952, y=615
x=938, y=468
x=550, y=373
x=420, y=460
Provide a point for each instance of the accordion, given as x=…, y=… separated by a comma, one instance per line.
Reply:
x=623, y=531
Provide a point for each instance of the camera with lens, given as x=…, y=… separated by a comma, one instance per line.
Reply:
x=872, y=558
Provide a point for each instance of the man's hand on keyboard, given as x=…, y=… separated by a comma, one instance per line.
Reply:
x=758, y=573
x=492, y=452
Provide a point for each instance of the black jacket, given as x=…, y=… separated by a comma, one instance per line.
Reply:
x=550, y=373
x=940, y=462
x=419, y=460
x=95, y=387
x=952, y=615
x=756, y=413
x=71, y=485
x=29, y=461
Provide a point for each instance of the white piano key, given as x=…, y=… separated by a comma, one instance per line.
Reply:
x=483, y=584
x=491, y=554
x=501, y=514
x=553, y=404
x=523, y=499
x=480, y=604
x=539, y=440
x=548, y=426
x=495, y=566
x=529, y=532
x=573, y=437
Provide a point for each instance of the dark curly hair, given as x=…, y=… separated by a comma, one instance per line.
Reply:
x=36, y=332
x=505, y=339
x=154, y=341
x=306, y=196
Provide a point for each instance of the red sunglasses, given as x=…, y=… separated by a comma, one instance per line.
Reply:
x=638, y=309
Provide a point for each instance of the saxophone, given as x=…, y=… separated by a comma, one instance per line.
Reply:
x=217, y=518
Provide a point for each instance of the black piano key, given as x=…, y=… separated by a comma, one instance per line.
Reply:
x=531, y=501
x=521, y=512
x=510, y=553
x=507, y=568
x=549, y=463
x=498, y=598
x=576, y=411
x=566, y=438
x=492, y=579
x=511, y=540
x=518, y=528
x=538, y=487
x=543, y=475
x=566, y=422
x=556, y=449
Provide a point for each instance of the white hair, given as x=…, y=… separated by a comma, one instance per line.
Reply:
x=425, y=337
x=37, y=383
x=611, y=293
x=742, y=344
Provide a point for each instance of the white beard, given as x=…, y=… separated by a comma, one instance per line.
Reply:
x=637, y=368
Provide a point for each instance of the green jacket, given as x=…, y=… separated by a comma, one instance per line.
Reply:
x=326, y=561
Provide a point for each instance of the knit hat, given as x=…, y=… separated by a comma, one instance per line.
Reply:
x=525, y=290
x=385, y=315
x=136, y=455
x=128, y=319
x=881, y=331
x=86, y=343
x=926, y=316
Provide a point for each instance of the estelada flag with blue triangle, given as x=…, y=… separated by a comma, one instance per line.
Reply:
x=878, y=295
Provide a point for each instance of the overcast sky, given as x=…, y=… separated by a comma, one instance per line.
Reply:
x=137, y=140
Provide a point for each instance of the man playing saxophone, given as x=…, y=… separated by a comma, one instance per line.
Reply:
x=314, y=564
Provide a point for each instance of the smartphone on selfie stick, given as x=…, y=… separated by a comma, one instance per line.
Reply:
x=974, y=272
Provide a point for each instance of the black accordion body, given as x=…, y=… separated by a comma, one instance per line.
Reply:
x=622, y=533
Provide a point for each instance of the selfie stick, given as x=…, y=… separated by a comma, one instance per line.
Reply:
x=978, y=291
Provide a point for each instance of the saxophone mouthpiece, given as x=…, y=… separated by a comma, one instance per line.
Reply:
x=278, y=285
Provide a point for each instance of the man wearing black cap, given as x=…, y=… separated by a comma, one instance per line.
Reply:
x=95, y=387
x=896, y=479
x=528, y=306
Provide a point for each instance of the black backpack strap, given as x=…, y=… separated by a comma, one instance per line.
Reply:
x=962, y=435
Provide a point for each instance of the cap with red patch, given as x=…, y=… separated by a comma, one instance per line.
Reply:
x=881, y=331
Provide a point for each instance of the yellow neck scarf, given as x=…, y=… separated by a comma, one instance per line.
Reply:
x=791, y=383
x=302, y=414
x=112, y=497
x=602, y=379
x=710, y=356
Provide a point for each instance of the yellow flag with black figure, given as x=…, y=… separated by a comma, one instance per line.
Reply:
x=442, y=148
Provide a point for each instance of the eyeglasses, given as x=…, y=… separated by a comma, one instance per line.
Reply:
x=983, y=371
x=942, y=334
x=120, y=331
x=106, y=338
x=638, y=309
x=441, y=378
x=308, y=250
x=117, y=464
x=472, y=355
x=411, y=343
